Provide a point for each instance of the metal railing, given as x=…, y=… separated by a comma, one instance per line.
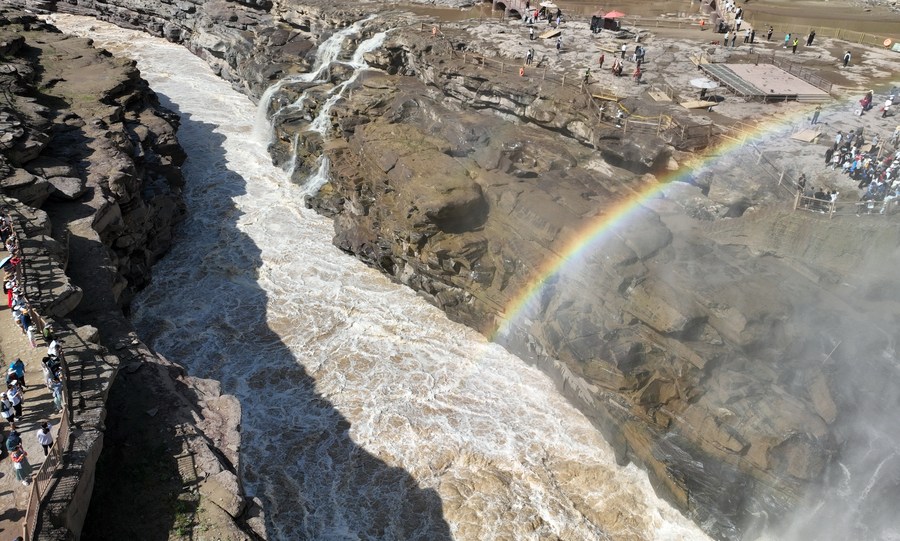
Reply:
x=45, y=476
x=804, y=73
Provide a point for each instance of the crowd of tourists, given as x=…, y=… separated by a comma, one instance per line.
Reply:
x=13, y=399
x=872, y=162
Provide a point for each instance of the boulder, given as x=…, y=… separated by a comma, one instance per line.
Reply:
x=67, y=188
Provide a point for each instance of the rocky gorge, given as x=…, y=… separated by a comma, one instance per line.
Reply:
x=723, y=349
x=90, y=169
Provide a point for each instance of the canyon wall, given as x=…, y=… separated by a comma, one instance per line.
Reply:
x=89, y=169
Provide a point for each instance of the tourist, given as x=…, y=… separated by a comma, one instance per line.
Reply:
x=727, y=36
x=531, y=33
x=794, y=45
x=624, y=50
x=769, y=34
x=529, y=57
x=21, y=465
x=752, y=36
x=45, y=438
x=13, y=441
x=18, y=367
x=815, y=116
x=887, y=107
x=558, y=44
x=637, y=75
x=6, y=409
x=837, y=139
x=747, y=36
x=846, y=58
x=14, y=393
x=787, y=39
x=601, y=60
x=737, y=23
x=733, y=38
x=56, y=388
x=866, y=101
x=810, y=38
x=54, y=349
x=829, y=152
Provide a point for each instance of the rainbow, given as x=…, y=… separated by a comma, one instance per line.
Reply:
x=595, y=231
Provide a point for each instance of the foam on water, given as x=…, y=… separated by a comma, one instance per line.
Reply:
x=361, y=402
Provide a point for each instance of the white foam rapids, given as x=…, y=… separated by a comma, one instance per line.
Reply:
x=366, y=413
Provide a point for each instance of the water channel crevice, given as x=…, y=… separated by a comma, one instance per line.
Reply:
x=396, y=506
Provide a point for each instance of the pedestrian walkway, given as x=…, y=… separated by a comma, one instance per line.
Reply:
x=36, y=409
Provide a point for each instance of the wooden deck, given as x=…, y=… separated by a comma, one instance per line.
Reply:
x=765, y=81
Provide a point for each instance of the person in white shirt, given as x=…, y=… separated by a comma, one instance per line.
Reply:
x=45, y=438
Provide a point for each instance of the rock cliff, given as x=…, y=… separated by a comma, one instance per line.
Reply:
x=89, y=168
x=705, y=348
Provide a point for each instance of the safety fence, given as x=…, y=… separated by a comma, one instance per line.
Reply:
x=53, y=462
x=56, y=458
x=802, y=72
x=851, y=36
x=886, y=207
x=685, y=21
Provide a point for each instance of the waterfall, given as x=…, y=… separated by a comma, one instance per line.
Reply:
x=325, y=57
x=366, y=413
x=327, y=53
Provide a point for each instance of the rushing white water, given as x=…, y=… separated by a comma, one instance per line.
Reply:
x=366, y=413
x=326, y=53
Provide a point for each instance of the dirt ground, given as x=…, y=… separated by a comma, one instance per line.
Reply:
x=37, y=408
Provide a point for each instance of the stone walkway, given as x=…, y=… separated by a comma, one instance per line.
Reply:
x=38, y=408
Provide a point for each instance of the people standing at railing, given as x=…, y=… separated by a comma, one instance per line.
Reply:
x=769, y=33
x=846, y=58
x=56, y=387
x=810, y=38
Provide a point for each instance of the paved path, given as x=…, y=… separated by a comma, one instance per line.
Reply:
x=38, y=407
